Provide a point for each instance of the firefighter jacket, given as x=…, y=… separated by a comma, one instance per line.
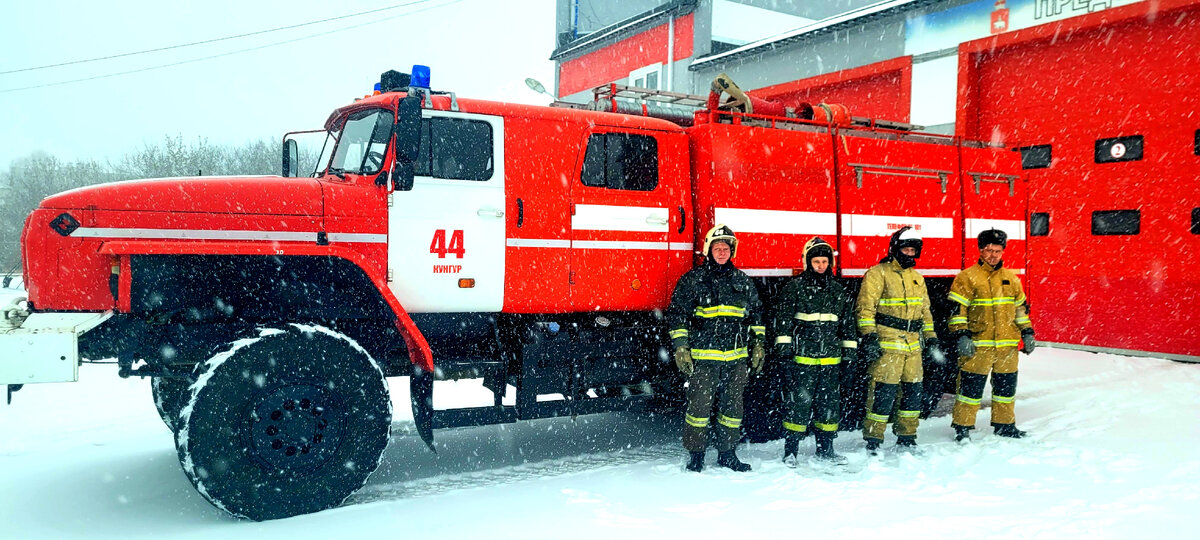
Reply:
x=716, y=313
x=990, y=306
x=813, y=320
x=893, y=302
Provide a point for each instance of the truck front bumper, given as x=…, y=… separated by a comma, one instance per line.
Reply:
x=42, y=347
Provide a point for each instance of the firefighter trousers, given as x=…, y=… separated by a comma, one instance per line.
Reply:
x=897, y=374
x=1001, y=364
x=710, y=380
x=812, y=395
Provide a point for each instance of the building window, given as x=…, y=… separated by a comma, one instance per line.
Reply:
x=621, y=161
x=1039, y=224
x=1118, y=149
x=1035, y=157
x=455, y=149
x=1196, y=144
x=1116, y=222
x=1196, y=221
x=647, y=77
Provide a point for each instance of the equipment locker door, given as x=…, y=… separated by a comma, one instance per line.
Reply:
x=620, y=221
x=446, y=235
x=993, y=196
x=890, y=180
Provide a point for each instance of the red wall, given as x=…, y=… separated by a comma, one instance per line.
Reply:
x=1125, y=71
x=881, y=90
x=615, y=61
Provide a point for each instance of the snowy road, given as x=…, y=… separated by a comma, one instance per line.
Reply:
x=1112, y=455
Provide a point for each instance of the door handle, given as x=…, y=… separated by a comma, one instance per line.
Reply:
x=490, y=212
x=655, y=220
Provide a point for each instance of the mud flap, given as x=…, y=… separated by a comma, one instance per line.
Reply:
x=421, y=392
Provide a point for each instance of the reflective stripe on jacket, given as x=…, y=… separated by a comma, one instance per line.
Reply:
x=814, y=315
x=888, y=289
x=715, y=313
x=990, y=305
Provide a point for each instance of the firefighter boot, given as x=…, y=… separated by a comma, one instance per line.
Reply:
x=872, y=447
x=908, y=443
x=791, y=446
x=825, y=448
x=1009, y=430
x=696, y=462
x=729, y=460
x=962, y=434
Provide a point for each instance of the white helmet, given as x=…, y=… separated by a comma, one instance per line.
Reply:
x=720, y=233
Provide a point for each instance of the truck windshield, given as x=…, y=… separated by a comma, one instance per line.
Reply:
x=363, y=142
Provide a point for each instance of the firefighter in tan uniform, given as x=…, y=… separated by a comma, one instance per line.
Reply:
x=990, y=322
x=716, y=328
x=894, y=322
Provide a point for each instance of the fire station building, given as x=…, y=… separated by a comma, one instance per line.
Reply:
x=1100, y=97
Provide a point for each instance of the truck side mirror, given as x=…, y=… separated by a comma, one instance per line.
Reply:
x=408, y=129
x=291, y=158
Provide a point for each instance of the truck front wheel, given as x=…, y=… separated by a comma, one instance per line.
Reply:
x=170, y=395
x=290, y=422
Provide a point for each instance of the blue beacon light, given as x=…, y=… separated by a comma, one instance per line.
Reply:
x=420, y=76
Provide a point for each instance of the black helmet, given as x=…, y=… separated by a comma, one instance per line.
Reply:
x=903, y=238
x=993, y=236
x=817, y=247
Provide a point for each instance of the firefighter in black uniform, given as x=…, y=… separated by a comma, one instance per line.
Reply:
x=814, y=330
x=715, y=322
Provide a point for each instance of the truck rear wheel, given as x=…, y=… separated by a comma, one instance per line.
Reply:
x=290, y=422
x=170, y=395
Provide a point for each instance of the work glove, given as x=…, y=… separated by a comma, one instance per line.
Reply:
x=869, y=348
x=756, y=357
x=966, y=347
x=934, y=346
x=683, y=360
x=1028, y=343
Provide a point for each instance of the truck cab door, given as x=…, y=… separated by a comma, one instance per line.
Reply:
x=994, y=196
x=621, y=222
x=446, y=234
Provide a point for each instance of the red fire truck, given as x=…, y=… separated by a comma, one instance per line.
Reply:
x=446, y=238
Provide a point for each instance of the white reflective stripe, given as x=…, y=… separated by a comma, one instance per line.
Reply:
x=777, y=221
x=767, y=272
x=867, y=225
x=600, y=217
x=194, y=234
x=597, y=244
x=849, y=344
x=853, y=272
x=362, y=238
x=1015, y=228
x=783, y=339
x=618, y=244
x=538, y=243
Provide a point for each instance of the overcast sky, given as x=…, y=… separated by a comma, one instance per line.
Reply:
x=476, y=48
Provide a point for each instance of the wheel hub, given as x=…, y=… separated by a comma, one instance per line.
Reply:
x=297, y=427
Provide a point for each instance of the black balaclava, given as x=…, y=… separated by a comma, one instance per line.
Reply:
x=899, y=241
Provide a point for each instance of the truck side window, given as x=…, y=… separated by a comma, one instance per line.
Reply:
x=455, y=149
x=621, y=161
x=1116, y=222
x=1039, y=224
x=1035, y=157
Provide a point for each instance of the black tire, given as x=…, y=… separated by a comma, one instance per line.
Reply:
x=170, y=396
x=291, y=422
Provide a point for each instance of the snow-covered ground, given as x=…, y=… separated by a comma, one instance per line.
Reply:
x=1112, y=454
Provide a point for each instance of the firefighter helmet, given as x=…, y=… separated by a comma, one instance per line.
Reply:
x=817, y=247
x=720, y=233
x=904, y=238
